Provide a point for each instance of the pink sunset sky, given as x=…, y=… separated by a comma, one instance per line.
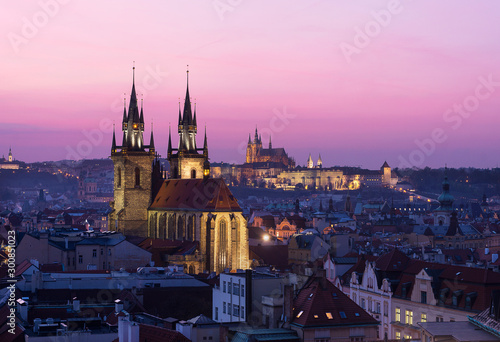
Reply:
x=416, y=83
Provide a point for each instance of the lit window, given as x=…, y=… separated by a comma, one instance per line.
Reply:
x=329, y=315
x=409, y=317
x=316, y=316
x=423, y=318
x=398, y=335
x=300, y=314
x=398, y=315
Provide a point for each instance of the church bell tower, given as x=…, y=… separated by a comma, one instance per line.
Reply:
x=187, y=161
x=133, y=163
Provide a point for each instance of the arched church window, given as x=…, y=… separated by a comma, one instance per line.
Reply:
x=193, y=173
x=137, y=177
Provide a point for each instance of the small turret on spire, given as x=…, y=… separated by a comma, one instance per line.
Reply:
x=180, y=116
x=169, y=150
x=152, y=140
x=125, y=119
x=141, y=118
x=205, y=144
x=194, y=116
x=113, y=143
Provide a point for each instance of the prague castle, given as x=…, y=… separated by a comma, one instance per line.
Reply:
x=257, y=154
x=189, y=206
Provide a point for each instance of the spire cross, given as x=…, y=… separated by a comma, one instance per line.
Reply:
x=187, y=74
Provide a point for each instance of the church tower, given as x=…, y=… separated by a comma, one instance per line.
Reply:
x=11, y=159
x=133, y=162
x=187, y=161
x=442, y=214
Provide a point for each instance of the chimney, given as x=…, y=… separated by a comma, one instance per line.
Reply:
x=321, y=275
x=118, y=306
x=123, y=330
x=76, y=304
x=22, y=309
x=287, y=305
x=133, y=332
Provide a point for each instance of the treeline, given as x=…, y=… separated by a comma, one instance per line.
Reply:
x=466, y=182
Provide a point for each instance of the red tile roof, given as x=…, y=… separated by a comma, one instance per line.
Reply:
x=195, y=194
x=151, y=333
x=395, y=260
x=320, y=303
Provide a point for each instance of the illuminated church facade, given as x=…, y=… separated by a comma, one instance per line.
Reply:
x=188, y=206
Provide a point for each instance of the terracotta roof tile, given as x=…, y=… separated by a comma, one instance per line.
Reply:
x=320, y=303
x=195, y=194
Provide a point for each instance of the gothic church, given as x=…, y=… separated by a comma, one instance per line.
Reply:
x=189, y=205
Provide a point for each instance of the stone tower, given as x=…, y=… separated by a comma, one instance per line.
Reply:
x=133, y=162
x=186, y=161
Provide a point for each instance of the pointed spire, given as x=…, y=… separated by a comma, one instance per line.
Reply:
x=194, y=118
x=124, y=109
x=187, y=115
x=152, y=140
x=260, y=138
x=249, y=139
x=180, y=117
x=133, y=112
x=113, y=144
x=169, y=150
x=256, y=138
x=205, y=144
x=270, y=143
x=141, y=119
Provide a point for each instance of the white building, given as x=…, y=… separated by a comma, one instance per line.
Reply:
x=238, y=298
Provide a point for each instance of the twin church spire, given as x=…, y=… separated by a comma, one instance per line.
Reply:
x=186, y=156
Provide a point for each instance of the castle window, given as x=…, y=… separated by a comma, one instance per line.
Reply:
x=193, y=173
x=137, y=177
x=119, y=178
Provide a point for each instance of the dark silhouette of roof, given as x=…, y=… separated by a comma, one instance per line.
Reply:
x=320, y=303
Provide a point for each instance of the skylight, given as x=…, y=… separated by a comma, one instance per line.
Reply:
x=356, y=314
x=300, y=314
x=329, y=315
x=315, y=316
x=342, y=314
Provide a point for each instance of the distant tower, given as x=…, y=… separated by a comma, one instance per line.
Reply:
x=386, y=173
x=10, y=155
x=348, y=204
x=270, y=143
x=186, y=161
x=443, y=213
x=132, y=172
x=320, y=162
x=310, y=163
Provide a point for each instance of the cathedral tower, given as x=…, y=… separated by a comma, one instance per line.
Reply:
x=133, y=162
x=187, y=161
